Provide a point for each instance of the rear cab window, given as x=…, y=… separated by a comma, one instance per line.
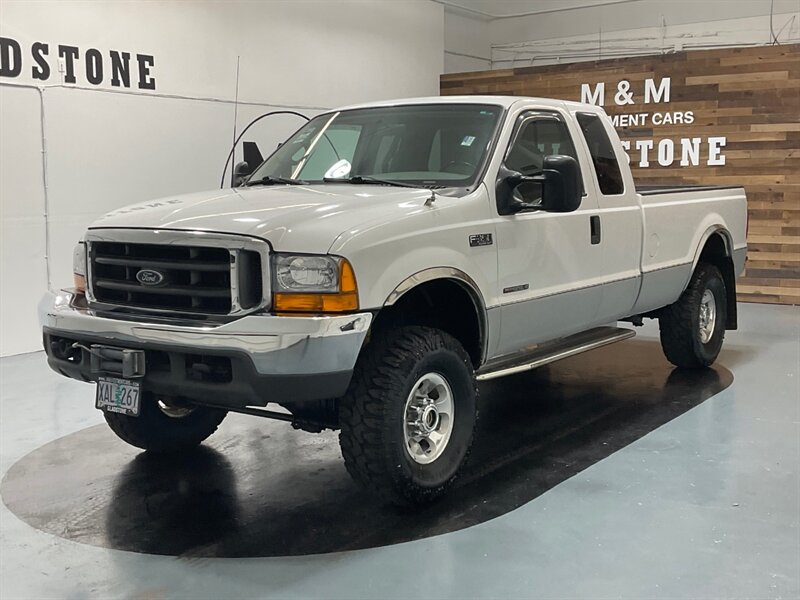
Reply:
x=606, y=166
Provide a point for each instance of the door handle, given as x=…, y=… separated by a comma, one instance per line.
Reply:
x=594, y=227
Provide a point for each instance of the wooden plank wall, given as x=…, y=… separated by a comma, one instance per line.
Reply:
x=751, y=96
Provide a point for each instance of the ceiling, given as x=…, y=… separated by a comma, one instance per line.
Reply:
x=499, y=9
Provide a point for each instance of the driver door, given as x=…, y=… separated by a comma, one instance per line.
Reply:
x=549, y=268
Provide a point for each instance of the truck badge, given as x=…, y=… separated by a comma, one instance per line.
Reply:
x=480, y=239
x=149, y=277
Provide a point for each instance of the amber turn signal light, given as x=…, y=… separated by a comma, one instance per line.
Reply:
x=80, y=282
x=315, y=303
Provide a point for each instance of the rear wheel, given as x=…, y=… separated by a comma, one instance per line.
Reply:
x=165, y=426
x=407, y=420
x=692, y=329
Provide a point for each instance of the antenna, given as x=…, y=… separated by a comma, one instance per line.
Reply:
x=241, y=135
x=235, y=112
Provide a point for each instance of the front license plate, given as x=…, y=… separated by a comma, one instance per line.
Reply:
x=118, y=395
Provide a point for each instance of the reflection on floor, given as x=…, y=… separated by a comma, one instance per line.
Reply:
x=260, y=488
x=609, y=475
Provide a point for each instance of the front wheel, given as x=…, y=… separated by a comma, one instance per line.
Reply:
x=408, y=418
x=692, y=328
x=165, y=427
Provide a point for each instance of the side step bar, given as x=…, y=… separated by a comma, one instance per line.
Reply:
x=553, y=351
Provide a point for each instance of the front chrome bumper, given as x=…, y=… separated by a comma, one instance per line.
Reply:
x=276, y=345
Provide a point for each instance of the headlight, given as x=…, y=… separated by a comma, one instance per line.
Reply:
x=79, y=267
x=313, y=284
x=306, y=273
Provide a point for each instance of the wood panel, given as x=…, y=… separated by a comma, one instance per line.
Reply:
x=750, y=96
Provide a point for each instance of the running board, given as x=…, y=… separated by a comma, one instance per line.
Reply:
x=553, y=351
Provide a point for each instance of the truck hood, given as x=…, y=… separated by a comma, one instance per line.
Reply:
x=305, y=218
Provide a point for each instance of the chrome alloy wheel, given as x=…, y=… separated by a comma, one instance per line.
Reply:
x=428, y=418
x=708, y=316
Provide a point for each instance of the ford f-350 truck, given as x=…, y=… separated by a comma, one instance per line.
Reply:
x=381, y=262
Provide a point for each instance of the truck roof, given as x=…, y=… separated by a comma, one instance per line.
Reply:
x=504, y=101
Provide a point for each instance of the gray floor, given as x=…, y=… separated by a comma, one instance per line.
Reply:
x=706, y=506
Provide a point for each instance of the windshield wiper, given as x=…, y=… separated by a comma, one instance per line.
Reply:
x=361, y=179
x=269, y=180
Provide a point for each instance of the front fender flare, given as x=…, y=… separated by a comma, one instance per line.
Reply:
x=452, y=274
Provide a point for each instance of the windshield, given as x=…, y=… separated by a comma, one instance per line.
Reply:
x=437, y=145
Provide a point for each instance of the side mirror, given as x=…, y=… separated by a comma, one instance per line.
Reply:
x=555, y=189
x=240, y=173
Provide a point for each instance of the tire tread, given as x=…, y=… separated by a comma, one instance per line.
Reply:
x=156, y=432
x=364, y=432
x=677, y=321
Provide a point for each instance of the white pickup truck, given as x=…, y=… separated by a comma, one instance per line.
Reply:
x=380, y=263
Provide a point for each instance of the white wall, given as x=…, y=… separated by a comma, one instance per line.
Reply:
x=107, y=147
x=466, y=42
x=590, y=32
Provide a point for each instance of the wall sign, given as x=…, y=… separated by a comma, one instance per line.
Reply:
x=666, y=151
x=44, y=61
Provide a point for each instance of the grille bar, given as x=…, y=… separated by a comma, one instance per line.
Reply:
x=174, y=289
x=162, y=264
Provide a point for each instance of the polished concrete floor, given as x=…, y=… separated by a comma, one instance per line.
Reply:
x=608, y=475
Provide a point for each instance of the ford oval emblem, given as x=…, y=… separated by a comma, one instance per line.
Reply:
x=149, y=277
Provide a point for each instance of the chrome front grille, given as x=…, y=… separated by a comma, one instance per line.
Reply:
x=168, y=272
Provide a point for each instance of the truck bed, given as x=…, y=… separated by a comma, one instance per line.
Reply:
x=677, y=220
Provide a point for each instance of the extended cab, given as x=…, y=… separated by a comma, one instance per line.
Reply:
x=380, y=263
